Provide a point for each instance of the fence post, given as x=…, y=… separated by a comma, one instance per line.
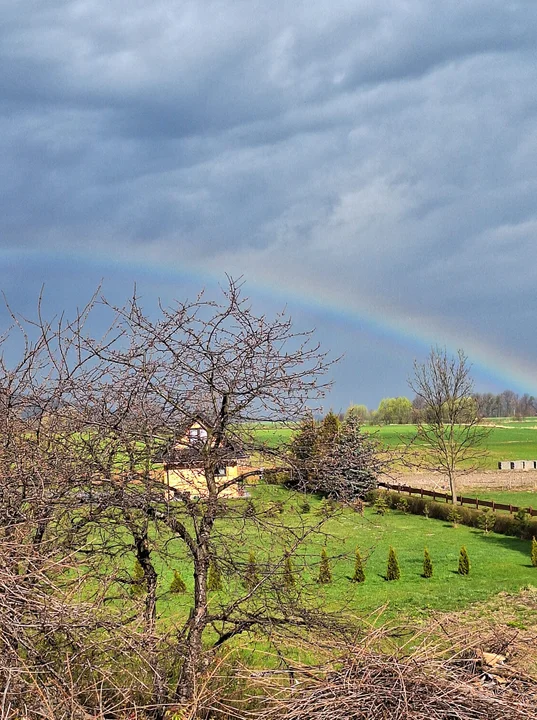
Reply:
x=477, y=503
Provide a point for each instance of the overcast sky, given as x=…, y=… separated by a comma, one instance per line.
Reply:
x=373, y=165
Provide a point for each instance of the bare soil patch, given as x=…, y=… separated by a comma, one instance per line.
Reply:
x=489, y=479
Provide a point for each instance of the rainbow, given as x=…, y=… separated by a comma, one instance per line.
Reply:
x=499, y=365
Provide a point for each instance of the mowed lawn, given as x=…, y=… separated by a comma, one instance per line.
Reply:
x=498, y=563
x=508, y=439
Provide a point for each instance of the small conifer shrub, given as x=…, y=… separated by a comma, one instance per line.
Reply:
x=305, y=507
x=392, y=571
x=359, y=574
x=137, y=587
x=251, y=576
x=521, y=522
x=534, y=552
x=325, y=574
x=427, y=564
x=486, y=520
x=427, y=510
x=288, y=574
x=214, y=579
x=454, y=516
x=381, y=504
x=464, y=562
x=402, y=505
x=177, y=585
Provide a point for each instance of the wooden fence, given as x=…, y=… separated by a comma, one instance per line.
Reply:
x=474, y=502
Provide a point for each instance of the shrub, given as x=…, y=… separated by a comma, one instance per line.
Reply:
x=251, y=576
x=381, y=504
x=503, y=523
x=392, y=571
x=305, y=507
x=276, y=477
x=485, y=521
x=325, y=574
x=454, y=516
x=359, y=574
x=288, y=575
x=521, y=522
x=464, y=562
x=326, y=508
x=249, y=510
x=426, y=510
x=427, y=564
x=402, y=505
x=534, y=551
x=214, y=579
x=138, y=579
x=177, y=585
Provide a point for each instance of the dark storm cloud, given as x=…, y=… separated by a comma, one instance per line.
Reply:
x=387, y=149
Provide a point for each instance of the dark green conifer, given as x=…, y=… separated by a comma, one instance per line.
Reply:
x=288, y=575
x=359, y=574
x=464, y=562
x=534, y=552
x=427, y=564
x=392, y=571
x=251, y=576
x=138, y=579
x=325, y=574
x=177, y=585
x=214, y=579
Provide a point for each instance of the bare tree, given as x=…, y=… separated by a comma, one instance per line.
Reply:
x=86, y=424
x=449, y=434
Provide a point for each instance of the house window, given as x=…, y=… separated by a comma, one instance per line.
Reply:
x=196, y=435
x=220, y=472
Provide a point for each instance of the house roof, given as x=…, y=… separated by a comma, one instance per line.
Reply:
x=190, y=455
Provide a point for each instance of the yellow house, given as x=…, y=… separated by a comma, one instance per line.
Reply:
x=183, y=466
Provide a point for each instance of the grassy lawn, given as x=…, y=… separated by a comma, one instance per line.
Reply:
x=498, y=563
x=508, y=439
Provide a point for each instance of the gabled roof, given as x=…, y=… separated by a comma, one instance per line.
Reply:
x=190, y=455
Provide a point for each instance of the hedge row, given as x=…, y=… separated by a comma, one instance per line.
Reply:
x=519, y=525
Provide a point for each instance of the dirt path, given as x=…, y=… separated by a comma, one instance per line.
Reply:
x=490, y=479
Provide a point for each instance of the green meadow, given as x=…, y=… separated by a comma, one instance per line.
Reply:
x=508, y=439
x=498, y=563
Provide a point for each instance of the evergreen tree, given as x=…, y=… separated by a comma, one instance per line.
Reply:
x=427, y=564
x=288, y=575
x=177, y=585
x=534, y=552
x=486, y=520
x=381, y=504
x=214, y=579
x=454, y=516
x=251, y=577
x=305, y=452
x=464, y=562
x=325, y=574
x=329, y=429
x=392, y=572
x=138, y=579
x=359, y=574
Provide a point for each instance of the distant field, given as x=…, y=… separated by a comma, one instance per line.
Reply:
x=508, y=440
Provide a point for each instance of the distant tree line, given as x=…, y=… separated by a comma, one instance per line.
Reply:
x=401, y=410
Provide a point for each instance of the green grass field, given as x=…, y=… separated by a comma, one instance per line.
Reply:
x=499, y=563
x=508, y=439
